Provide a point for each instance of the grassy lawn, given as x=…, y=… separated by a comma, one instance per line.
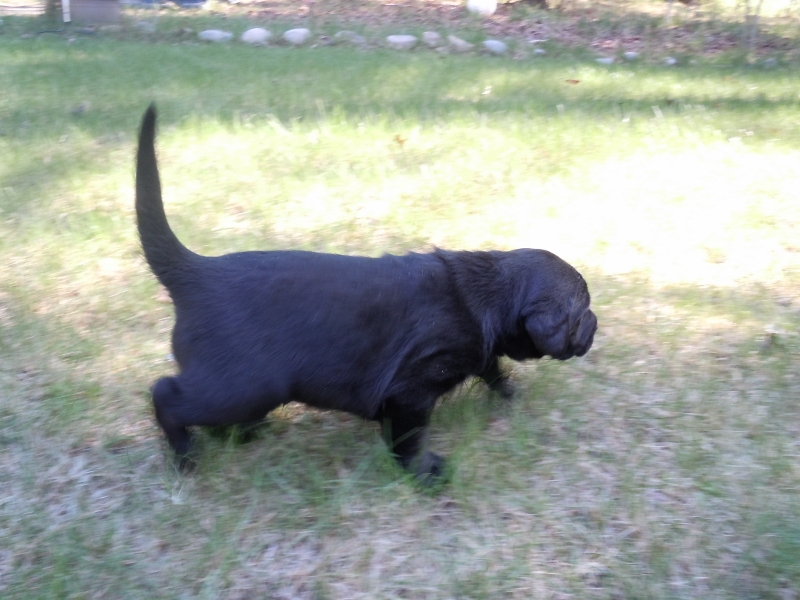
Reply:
x=664, y=464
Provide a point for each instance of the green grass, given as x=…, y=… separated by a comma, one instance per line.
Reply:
x=663, y=464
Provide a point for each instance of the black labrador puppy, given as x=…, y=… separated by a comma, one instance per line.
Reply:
x=381, y=338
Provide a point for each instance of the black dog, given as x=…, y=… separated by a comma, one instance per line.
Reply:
x=381, y=338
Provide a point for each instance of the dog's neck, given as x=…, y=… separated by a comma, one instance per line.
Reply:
x=476, y=277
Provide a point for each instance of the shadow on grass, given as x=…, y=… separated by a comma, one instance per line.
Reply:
x=98, y=89
x=117, y=79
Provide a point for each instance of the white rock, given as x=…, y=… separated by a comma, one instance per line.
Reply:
x=539, y=51
x=401, y=42
x=215, y=35
x=458, y=44
x=432, y=39
x=257, y=36
x=495, y=46
x=484, y=8
x=631, y=55
x=670, y=61
x=297, y=37
x=606, y=61
x=349, y=36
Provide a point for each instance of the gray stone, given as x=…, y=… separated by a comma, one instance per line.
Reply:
x=215, y=35
x=401, y=42
x=605, y=61
x=670, y=61
x=297, y=37
x=349, y=36
x=631, y=55
x=539, y=51
x=432, y=39
x=459, y=45
x=495, y=46
x=257, y=36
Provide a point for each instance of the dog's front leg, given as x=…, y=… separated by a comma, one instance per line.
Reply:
x=497, y=380
x=405, y=429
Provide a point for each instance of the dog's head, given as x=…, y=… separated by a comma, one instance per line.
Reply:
x=554, y=309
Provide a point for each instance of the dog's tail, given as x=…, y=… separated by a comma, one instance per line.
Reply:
x=165, y=254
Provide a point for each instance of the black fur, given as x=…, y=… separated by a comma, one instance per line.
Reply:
x=381, y=338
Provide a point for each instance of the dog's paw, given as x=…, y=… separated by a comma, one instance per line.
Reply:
x=185, y=463
x=503, y=387
x=430, y=469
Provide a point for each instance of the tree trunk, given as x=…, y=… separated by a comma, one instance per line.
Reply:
x=751, y=26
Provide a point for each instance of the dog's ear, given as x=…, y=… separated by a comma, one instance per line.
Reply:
x=549, y=331
x=583, y=333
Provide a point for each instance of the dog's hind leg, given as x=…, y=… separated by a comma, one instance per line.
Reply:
x=167, y=397
x=200, y=398
x=405, y=432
